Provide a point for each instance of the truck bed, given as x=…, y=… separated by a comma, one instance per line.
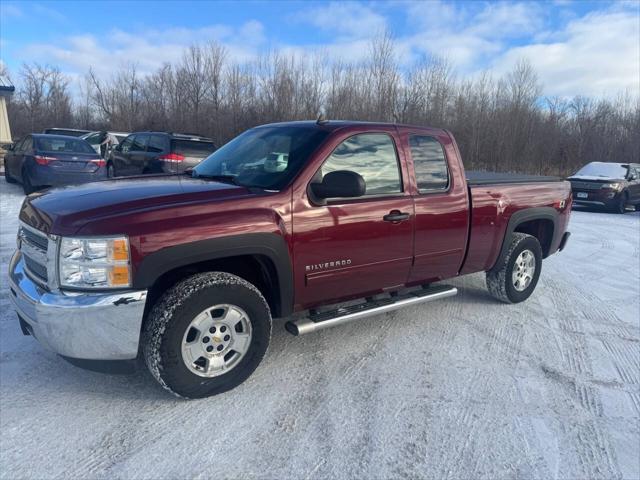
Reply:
x=492, y=178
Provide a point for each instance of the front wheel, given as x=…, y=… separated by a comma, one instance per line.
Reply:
x=621, y=205
x=516, y=277
x=206, y=335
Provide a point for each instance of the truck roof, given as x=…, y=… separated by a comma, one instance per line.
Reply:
x=339, y=124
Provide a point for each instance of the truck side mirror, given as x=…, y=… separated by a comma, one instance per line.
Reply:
x=340, y=184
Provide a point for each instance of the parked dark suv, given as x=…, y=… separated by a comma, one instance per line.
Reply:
x=614, y=186
x=158, y=152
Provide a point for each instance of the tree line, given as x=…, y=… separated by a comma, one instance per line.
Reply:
x=501, y=124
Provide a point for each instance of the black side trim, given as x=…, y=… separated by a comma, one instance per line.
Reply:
x=526, y=215
x=563, y=242
x=112, y=367
x=270, y=245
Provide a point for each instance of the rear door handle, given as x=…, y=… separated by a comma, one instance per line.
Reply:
x=396, y=216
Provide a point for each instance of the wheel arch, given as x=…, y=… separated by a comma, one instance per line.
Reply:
x=260, y=258
x=540, y=222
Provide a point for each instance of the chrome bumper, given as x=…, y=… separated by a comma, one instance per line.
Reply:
x=93, y=326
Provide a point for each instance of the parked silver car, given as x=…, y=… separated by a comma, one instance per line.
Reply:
x=95, y=139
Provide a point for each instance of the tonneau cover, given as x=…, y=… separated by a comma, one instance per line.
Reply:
x=492, y=178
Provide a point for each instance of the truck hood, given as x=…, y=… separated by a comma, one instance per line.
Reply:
x=65, y=210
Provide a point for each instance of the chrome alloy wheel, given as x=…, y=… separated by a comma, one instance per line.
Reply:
x=523, y=270
x=216, y=340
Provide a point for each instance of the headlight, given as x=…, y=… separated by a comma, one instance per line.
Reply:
x=612, y=186
x=94, y=263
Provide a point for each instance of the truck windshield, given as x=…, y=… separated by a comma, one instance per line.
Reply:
x=604, y=170
x=264, y=157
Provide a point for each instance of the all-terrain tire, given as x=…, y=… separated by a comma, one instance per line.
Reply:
x=170, y=317
x=499, y=278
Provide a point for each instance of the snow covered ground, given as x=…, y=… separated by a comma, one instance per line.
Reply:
x=462, y=388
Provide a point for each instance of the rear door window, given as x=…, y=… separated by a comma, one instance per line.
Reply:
x=126, y=144
x=192, y=148
x=28, y=144
x=139, y=143
x=156, y=144
x=430, y=163
x=93, y=139
x=373, y=156
x=18, y=145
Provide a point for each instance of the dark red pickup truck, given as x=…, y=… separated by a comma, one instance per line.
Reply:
x=286, y=220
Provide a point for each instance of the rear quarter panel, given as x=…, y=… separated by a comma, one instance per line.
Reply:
x=492, y=207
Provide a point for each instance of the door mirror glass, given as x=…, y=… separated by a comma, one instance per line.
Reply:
x=340, y=184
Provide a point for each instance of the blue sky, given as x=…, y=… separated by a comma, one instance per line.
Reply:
x=582, y=47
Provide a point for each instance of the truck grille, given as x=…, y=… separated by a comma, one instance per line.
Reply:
x=35, y=269
x=586, y=185
x=36, y=250
x=35, y=238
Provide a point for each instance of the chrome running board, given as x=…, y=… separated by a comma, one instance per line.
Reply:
x=320, y=321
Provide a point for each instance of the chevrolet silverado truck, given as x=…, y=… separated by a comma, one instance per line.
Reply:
x=319, y=223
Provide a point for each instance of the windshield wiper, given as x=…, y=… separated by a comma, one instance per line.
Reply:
x=219, y=178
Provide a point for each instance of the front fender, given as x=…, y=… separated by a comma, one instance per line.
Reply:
x=270, y=245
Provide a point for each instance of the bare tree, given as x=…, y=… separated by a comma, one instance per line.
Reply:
x=500, y=123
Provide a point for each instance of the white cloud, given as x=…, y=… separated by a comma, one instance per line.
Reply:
x=595, y=54
x=598, y=54
x=469, y=34
x=346, y=19
x=507, y=20
x=147, y=49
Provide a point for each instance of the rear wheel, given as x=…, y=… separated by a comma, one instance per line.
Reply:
x=206, y=335
x=27, y=187
x=7, y=175
x=516, y=277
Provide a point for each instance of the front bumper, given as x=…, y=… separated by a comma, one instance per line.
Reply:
x=92, y=326
x=596, y=198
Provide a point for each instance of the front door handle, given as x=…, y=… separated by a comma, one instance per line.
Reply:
x=396, y=216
